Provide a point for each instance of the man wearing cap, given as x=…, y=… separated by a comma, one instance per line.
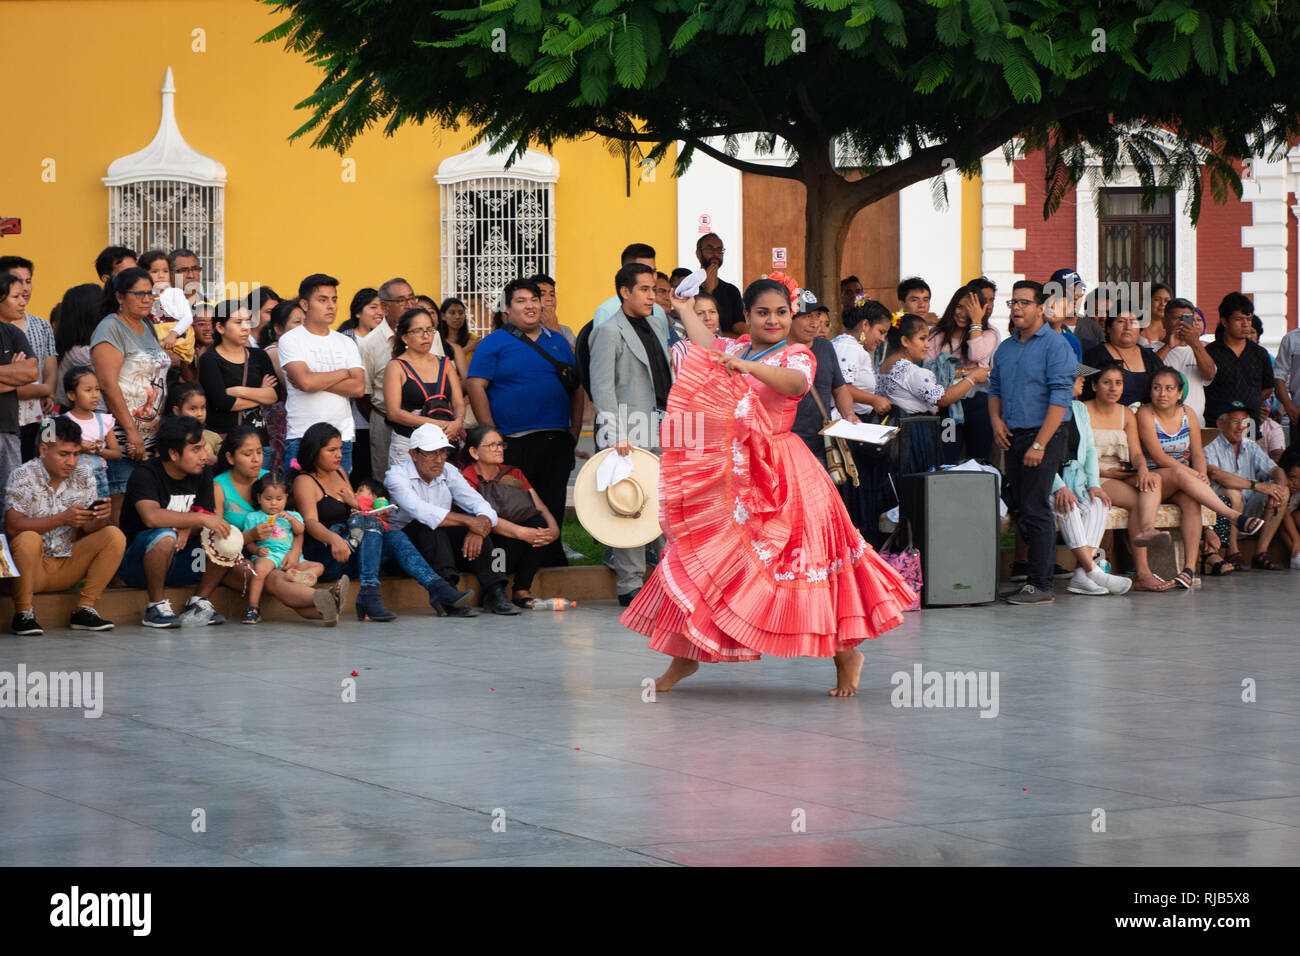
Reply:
x=630, y=379
x=1069, y=284
x=424, y=489
x=828, y=381
x=58, y=529
x=1245, y=477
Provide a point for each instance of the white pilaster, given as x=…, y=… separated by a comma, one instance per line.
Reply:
x=999, y=238
x=1265, y=189
x=929, y=239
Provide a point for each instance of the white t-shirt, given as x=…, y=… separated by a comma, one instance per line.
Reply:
x=320, y=353
x=1181, y=358
x=856, y=367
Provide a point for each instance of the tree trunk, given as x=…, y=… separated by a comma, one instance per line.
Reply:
x=828, y=214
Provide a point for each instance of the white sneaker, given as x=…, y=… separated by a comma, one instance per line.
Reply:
x=1080, y=583
x=1295, y=563
x=1114, y=583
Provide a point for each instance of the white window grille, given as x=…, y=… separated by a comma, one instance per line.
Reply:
x=497, y=225
x=170, y=196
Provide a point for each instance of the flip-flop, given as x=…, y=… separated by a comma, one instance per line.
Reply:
x=1185, y=579
x=1148, y=540
x=1247, y=524
x=1168, y=585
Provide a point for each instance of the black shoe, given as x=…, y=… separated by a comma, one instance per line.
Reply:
x=371, y=608
x=25, y=625
x=1060, y=572
x=440, y=592
x=495, y=600
x=1019, y=570
x=451, y=610
x=628, y=598
x=1031, y=595
x=88, y=619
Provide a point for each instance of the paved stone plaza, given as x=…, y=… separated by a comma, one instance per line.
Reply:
x=536, y=724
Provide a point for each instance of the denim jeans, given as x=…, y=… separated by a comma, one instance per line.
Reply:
x=291, y=454
x=362, y=564
x=187, y=564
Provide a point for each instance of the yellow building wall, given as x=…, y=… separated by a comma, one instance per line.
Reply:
x=972, y=227
x=83, y=91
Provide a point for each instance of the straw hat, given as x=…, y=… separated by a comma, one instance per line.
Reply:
x=626, y=514
x=223, y=551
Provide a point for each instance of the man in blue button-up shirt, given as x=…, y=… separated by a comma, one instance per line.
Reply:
x=1030, y=390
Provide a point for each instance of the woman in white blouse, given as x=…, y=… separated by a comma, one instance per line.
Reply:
x=865, y=325
x=914, y=390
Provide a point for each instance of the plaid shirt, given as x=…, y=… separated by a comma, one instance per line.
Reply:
x=30, y=493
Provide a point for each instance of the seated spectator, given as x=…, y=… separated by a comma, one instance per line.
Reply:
x=1247, y=479
x=98, y=443
x=168, y=501
x=285, y=315
x=960, y=332
x=914, y=390
x=1173, y=449
x=1290, y=464
x=1245, y=372
x=1126, y=480
x=58, y=530
x=1272, y=438
x=1178, y=344
x=239, y=381
x=188, y=398
x=1121, y=345
x=420, y=387
x=239, y=468
x=425, y=488
x=1081, y=503
x=132, y=370
x=325, y=500
x=281, y=548
x=524, y=527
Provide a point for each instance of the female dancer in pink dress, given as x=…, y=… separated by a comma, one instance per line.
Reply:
x=762, y=558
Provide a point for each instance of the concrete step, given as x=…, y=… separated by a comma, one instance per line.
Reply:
x=126, y=605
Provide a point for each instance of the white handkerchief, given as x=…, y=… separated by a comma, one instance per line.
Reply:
x=691, y=284
x=614, y=468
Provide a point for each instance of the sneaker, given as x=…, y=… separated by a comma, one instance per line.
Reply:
x=25, y=625
x=199, y=612
x=1019, y=570
x=1031, y=595
x=1080, y=583
x=252, y=615
x=88, y=619
x=161, y=615
x=1113, y=583
x=1295, y=563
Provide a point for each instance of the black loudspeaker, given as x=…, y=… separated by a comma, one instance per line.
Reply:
x=953, y=516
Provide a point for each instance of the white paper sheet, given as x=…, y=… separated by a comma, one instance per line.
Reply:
x=862, y=431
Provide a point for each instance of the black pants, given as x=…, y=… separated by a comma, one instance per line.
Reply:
x=441, y=548
x=1029, y=500
x=522, y=559
x=546, y=459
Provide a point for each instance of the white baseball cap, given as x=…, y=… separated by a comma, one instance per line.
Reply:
x=429, y=438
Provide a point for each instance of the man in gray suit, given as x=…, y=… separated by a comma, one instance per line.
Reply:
x=630, y=378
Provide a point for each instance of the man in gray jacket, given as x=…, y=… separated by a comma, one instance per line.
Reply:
x=630, y=378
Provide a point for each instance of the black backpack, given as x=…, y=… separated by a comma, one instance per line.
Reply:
x=582, y=357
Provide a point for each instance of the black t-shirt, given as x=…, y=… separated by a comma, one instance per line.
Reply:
x=150, y=482
x=12, y=341
x=731, y=307
x=216, y=375
x=808, y=419
x=1238, y=379
x=654, y=348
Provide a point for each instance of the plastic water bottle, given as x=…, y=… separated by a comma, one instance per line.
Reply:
x=552, y=604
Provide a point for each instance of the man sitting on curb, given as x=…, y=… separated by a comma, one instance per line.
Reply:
x=58, y=529
x=424, y=490
x=1248, y=480
x=168, y=500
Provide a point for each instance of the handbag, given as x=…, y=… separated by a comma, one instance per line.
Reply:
x=839, y=462
x=508, y=498
x=567, y=374
x=255, y=416
x=906, y=562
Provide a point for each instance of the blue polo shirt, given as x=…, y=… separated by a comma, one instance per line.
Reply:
x=523, y=389
x=1030, y=376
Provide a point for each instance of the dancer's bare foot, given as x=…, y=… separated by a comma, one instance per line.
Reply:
x=848, y=669
x=679, y=668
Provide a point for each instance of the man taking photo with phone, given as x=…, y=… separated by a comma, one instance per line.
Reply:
x=1183, y=351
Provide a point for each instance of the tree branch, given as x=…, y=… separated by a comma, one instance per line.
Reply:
x=793, y=171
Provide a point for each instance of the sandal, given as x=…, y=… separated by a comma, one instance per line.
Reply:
x=1249, y=525
x=524, y=602
x=1212, y=563
x=1264, y=561
x=1165, y=585
x=1238, y=561
x=1185, y=579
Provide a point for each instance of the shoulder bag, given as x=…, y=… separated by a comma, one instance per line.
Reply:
x=567, y=374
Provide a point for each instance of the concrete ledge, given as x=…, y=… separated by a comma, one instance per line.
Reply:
x=125, y=606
